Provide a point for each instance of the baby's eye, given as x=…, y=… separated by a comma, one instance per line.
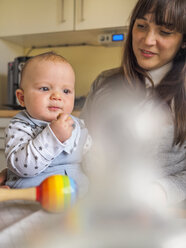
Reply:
x=66, y=91
x=44, y=88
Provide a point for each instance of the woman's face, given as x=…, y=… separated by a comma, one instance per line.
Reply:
x=154, y=45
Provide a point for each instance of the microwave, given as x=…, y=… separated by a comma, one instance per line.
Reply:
x=14, y=77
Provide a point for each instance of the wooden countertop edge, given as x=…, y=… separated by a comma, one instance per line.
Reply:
x=11, y=113
x=8, y=113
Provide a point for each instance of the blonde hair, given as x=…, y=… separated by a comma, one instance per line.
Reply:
x=48, y=56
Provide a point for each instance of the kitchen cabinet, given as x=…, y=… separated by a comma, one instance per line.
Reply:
x=23, y=17
x=93, y=14
x=20, y=17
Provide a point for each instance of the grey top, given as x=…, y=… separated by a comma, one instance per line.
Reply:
x=112, y=113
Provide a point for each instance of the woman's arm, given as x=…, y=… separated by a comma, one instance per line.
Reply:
x=99, y=91
x=175, y=187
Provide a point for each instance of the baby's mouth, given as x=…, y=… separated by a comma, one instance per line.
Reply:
x=55, y=108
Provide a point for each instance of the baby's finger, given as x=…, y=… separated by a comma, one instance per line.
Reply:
x=70, y=121
x=62, y=117
x=66, y=118
x=59, y=116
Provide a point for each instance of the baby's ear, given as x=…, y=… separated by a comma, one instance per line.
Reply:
x=20, y=97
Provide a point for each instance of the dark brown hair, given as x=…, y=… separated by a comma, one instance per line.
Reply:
x=172, y=88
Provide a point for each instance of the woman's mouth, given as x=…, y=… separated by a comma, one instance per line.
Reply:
x=146, y=53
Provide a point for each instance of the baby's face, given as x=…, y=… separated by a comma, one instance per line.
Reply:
x=48, y=89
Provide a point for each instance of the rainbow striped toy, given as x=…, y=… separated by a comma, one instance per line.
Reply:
x=55, y=193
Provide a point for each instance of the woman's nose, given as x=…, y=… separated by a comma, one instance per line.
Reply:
x=56, y=96
x=150, y=38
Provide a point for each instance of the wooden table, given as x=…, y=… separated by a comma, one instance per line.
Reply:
x=8, y=113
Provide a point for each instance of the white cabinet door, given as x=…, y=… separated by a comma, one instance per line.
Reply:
x=18, y=17
x=92, y=14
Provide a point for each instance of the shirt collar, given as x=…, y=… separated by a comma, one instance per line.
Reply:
x=157, y=74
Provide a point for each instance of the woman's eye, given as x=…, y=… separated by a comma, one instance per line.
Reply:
x=44, y=88
x=165, y=32
x=140, y=26
x=66, y=91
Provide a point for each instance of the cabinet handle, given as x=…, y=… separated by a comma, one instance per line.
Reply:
x=63, y=11
x=82, y=11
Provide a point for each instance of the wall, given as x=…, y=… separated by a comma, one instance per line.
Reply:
x=8, y=51
x=88, y=62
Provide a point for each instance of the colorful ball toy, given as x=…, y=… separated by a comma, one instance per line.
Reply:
x=55, y=194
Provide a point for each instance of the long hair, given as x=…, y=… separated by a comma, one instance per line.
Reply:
x=172, y=88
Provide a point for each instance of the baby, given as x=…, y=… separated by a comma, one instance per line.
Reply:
x=45, y=139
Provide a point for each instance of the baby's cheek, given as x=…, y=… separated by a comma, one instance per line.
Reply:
x=69, y=107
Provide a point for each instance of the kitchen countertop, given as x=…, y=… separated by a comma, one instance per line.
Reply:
x=8, y=113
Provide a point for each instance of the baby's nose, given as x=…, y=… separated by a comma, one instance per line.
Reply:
x=56, y=96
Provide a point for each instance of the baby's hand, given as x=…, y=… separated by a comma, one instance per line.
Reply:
x=62, y=127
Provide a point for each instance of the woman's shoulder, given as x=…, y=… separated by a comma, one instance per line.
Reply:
x=108, y=77
x=111, y=72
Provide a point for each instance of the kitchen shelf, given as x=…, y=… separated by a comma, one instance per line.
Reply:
x=65, y=38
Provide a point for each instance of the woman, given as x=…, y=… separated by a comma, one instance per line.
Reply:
x=153, y=60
